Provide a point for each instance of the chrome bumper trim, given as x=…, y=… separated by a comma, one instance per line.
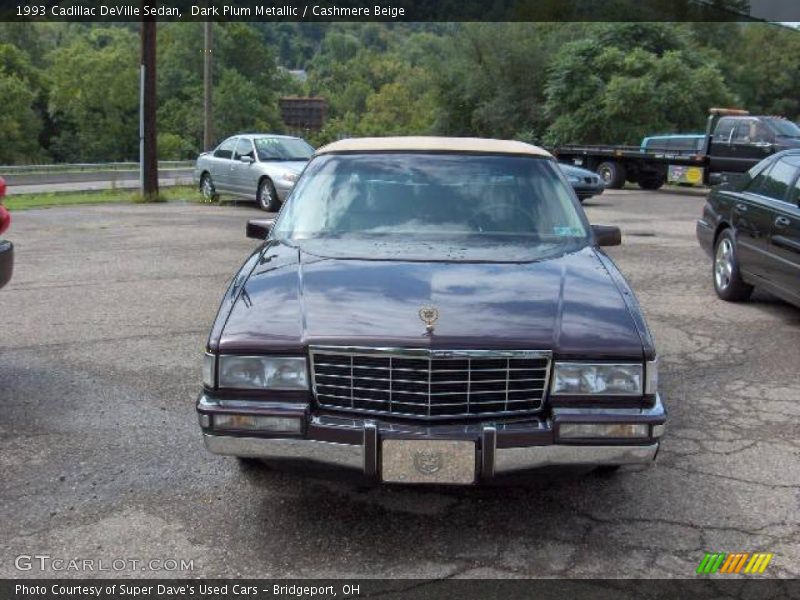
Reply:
x=345, y=455
x=510, y=460
x=506, y=460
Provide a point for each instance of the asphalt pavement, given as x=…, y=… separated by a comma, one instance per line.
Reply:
x=102, y=330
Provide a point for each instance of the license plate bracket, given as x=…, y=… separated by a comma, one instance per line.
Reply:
x=452, y=462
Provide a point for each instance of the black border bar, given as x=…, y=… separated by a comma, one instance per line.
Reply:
x=400, y=10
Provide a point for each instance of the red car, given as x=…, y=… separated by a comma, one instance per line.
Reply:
x=6, y=247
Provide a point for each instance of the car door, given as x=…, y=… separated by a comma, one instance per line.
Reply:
x=221, y=165
x=721, y=152
x=785, y=238
x=243, y=174
x=752, y=215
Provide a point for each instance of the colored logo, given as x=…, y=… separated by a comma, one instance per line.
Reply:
x=737, y=562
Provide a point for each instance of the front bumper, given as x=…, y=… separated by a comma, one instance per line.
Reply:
x=6, y=261
x=501, y=448
x=705, y=236
x=588, y=192
x=283, y=190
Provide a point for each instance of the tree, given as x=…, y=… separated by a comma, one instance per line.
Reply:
x=491, y=81
x=19, y=122
x=764, y=69
x=630, y=80
x=94, y=99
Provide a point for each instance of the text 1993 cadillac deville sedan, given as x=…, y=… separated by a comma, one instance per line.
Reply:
x=432, y=310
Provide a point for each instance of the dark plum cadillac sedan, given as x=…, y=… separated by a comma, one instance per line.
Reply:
x=432, y=310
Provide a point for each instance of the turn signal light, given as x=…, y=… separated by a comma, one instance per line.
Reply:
x=577, y=431
x=256, y=423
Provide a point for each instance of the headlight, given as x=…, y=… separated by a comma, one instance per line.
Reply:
x=573, y=179
x=289, y=176
x=263, y=373
x=581, y=379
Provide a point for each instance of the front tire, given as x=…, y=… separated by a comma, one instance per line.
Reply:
x=267, y=196
x=612, y=173
x=728, y=282
x=207, y=188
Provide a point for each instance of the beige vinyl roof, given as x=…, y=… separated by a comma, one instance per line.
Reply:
x=432, y=144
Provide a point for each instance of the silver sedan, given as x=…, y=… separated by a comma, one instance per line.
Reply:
x=260, y=167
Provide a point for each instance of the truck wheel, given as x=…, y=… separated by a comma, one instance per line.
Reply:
x=728, y=281
x=651, y=181
x=612, y=173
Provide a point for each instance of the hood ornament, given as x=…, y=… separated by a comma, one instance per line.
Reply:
x=429, y=315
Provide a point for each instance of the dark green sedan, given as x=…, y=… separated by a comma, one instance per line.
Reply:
x=751, y=229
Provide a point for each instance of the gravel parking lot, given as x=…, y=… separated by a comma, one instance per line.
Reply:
x=101, y=334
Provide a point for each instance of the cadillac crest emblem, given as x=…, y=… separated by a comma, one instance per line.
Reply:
x=427, y=462
x=429, y=315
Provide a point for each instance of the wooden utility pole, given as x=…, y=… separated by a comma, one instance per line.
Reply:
x=208, y=113
x=148, y=151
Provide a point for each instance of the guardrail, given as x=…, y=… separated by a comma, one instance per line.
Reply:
x=92, y=167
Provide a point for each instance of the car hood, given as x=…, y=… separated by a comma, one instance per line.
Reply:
x=284, y=165
x=576, y=171
x=576, y=304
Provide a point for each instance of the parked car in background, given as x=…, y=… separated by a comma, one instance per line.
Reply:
x=585, y=183
x=674, y=143
x=431, y=310
x=751, y=229
x=677, y=144
x=259, y=167
x=6, y=247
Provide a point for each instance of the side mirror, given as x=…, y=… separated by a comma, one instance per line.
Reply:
x=247, y=159
x=258, y=229
x=607, y=235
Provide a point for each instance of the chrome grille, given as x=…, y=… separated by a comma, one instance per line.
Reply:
x=430, y=384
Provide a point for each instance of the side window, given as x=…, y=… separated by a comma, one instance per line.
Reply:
x=775, y=182
x=741, y=134
x=724, y=129
x=758, y=182
x=750, y=131
x=244, y=148
x=794, y=195
x=225, y=149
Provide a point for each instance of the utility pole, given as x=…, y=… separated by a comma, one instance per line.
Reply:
x=208, y=112
x=148, y=152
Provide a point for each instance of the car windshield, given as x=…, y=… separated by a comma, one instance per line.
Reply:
x=272, y=148
x=784, y=127
x=417, y=201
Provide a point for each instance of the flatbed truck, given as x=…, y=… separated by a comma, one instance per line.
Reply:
x=734, y=142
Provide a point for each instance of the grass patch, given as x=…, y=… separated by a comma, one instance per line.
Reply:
x=168, y=194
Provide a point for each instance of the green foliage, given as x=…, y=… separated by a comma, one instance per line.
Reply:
x=71, y=90
x=19, y=123
x=764, y=70
x=630, y=80
x=94, y=99
x=172, y=146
